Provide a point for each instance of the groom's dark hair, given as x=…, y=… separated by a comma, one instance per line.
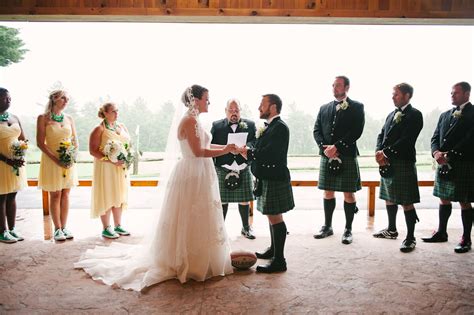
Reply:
x=275, y=99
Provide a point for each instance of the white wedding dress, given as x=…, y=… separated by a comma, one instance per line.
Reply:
x=189, y=242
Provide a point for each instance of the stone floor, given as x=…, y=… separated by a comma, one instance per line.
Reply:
x=370, y=276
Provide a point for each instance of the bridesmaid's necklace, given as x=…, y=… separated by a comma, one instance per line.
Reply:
x=57, y=118
x=111, y=128
x=5, y=116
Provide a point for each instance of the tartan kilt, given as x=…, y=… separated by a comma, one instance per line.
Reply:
x=276, y=198
x=402, y=187
x=241, y=194
x=347, y=181
x=461, y=187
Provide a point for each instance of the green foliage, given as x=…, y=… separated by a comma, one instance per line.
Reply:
x=11, y=46
x=301, y=127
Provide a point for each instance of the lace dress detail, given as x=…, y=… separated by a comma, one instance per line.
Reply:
x=190, y=240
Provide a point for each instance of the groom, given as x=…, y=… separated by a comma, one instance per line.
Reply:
x=273, y=188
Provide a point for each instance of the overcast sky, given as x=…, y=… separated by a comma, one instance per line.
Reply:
x=124, y=61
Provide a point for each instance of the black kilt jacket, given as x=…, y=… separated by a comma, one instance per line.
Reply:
x=341, y=128
x=270, y=152
x=397, y=140
x=220, y=131
x=455, y=135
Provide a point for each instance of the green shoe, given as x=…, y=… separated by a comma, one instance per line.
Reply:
x=109, y=233
x=120, y=230
x=6, y=237
x=16, y=235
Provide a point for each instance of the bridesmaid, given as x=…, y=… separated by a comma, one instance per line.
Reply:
x=110, y=181
x=53, y=128
x=11, y=181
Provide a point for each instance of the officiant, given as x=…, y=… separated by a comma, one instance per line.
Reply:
x=233, y=171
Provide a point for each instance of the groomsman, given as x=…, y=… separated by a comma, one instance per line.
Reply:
x=452, y=146
x=396, y=156
x=273, y=191
x=235, y=179
x=338, y=126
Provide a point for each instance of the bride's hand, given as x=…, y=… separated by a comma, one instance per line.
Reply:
x=230, y=148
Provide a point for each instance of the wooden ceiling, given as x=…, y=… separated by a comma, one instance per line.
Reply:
x=239, y=10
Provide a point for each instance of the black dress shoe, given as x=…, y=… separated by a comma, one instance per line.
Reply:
x=247, y=233
x=347, y=237
x=267, y=254
x=408, y=245
x=463, y=247
x=437, y=237
x=273, y=266
x=324, y=232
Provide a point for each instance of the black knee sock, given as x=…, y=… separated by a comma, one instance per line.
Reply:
x=392, y=217
x=349, y=210
x=444, y=214
x=244, y=215
x=466, y=215
x=329, y=206
x=410, y=219
x=279, y=238
x=225, y=207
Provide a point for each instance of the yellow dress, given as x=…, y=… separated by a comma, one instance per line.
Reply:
x=51, y=176
x=9, y=181
x=109, y=182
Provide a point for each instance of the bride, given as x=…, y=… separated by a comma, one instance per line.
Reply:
x=190, y=240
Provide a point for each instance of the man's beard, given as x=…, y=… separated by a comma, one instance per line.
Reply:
x=265, y=115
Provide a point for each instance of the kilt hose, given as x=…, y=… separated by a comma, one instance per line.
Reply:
x=402, y=187
x=461, y=187
x=243, y=193
x=347, y=181
x=276, y=198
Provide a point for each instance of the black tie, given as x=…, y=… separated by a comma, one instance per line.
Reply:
x=398, y=110
x=265, y=123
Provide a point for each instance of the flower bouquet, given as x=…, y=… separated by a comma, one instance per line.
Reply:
x=117, y=151
x=67, y=154
x=18, y=152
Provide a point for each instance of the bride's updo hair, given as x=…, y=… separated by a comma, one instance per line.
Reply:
x=197, y=91
x=103, y=109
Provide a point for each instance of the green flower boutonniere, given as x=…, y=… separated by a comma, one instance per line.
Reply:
x=243, y=125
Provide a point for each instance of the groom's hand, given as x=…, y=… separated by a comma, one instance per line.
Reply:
x=243, y=151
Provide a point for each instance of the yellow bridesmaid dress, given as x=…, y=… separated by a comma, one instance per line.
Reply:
x=51, y=176
x=9, y=181
x=109, y=182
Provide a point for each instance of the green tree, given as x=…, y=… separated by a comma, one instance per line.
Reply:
x=11, y=50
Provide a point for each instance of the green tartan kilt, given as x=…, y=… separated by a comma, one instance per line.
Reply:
x=402, y=187
x=241, y=194
x=347, y=181
x=461, y=187
x=276, y=198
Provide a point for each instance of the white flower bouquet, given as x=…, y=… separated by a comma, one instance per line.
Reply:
x=117, y=151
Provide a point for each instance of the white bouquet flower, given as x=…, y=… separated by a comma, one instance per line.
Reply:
x=117, y=151
x=398, y=117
